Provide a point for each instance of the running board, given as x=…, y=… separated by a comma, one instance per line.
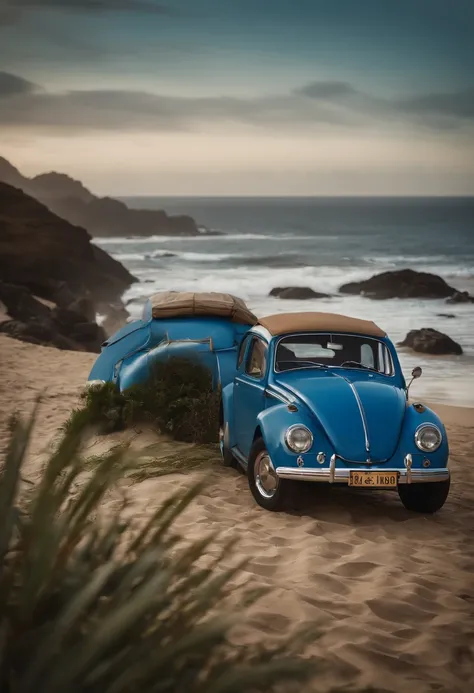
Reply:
x=239, y=457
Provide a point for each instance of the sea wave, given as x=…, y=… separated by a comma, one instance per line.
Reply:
x=120, y=240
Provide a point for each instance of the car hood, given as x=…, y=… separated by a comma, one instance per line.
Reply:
x=361, y=415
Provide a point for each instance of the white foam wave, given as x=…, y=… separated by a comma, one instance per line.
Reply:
x=119, y=240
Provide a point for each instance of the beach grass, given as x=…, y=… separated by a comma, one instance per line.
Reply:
x=91, y=603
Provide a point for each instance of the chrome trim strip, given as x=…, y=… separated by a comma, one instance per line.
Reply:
x=271, y=393
x=239, y=457
x=253, y=383
x=341, y=476
x=362, y=414
x=332, y=469
x=282, y=394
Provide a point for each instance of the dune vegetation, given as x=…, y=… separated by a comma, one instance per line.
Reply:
x=92, y=603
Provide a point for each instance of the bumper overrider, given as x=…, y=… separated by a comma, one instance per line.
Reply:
x=338, y=475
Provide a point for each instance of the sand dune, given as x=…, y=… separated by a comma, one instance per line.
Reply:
x=392, y=592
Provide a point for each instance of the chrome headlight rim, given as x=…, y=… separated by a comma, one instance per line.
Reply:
x=418, y=438
x=288, y=433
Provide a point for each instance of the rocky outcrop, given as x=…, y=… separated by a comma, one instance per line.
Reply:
x=429, y=341
x=299, y=293
x=31, y=320
x=101, y=216
x=53, y=277
x=48, y=255
x=460, y=297
x=405, y=283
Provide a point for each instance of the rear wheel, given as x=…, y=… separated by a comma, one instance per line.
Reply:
x=270, y=492
x=227, y=456
x=424, y=498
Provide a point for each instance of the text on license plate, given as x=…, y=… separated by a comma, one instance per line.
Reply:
x=373, y=479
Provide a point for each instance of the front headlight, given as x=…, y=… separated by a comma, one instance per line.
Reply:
x=428, y=437
x=299, y=438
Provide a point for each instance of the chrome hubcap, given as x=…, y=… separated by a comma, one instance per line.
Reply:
x=266, y=480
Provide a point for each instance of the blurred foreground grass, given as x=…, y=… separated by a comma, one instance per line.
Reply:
x=91, y=604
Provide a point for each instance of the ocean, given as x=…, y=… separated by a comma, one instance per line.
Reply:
x=321, y=243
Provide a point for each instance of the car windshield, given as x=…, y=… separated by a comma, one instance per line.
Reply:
x=341, y=350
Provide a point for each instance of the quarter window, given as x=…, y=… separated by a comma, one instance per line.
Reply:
x=242, y=349
x=257, y=359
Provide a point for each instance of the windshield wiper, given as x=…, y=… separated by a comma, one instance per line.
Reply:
x=357, y=364
x=303, y=364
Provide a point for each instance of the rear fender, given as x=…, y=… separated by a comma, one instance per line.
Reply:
x=131, y=339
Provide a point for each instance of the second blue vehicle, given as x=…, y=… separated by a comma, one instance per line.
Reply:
x=305, y=396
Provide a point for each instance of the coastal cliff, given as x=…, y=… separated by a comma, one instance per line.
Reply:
x=53, y=279
x=101, y=216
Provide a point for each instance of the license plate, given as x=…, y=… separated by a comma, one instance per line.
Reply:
x=373, y=479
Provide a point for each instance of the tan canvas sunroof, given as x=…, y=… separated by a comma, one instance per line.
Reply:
x=283, y=323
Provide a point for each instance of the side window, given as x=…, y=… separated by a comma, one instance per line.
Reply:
x=257, y=359
x=242, y=349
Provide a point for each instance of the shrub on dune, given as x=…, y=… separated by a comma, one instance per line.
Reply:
x=90, y=604
x=179, y=399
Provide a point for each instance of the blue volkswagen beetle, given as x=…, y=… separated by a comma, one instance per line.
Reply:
x=321, y=397
x=305, y=396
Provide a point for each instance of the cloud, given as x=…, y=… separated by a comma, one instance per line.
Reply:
x=435, y=106
x=12, y=10
x=459, y=104
x=318, y=105
x=12, y=84
x=327, y=90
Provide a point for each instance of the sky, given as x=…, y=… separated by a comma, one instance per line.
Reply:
x=241, y=97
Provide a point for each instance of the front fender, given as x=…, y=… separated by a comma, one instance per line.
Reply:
x=414, y=419
x=273, y=424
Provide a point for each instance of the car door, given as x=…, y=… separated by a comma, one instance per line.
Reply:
x=249, y=389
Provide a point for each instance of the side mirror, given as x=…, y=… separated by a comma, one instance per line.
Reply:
x=415, y=374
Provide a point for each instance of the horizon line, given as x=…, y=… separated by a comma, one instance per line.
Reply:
x=292, y=197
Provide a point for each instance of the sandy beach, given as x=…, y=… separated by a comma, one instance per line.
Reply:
x=392, y=592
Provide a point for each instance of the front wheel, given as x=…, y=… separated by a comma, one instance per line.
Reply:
x=425, y=497
x=267, y=488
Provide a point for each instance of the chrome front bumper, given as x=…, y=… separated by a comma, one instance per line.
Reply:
x=341, y=476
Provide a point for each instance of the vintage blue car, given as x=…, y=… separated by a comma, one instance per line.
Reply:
x=321, y=397
x=305, y=396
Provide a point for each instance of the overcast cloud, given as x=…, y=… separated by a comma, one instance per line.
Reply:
x=25, y=104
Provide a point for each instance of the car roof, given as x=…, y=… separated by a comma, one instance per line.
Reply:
x=285, y=323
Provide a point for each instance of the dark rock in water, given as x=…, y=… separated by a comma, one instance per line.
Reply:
x=101, y=216
x=401, y=284
x=300, y=293
x=460, y=297
x=429, y=341
x=445, y=315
